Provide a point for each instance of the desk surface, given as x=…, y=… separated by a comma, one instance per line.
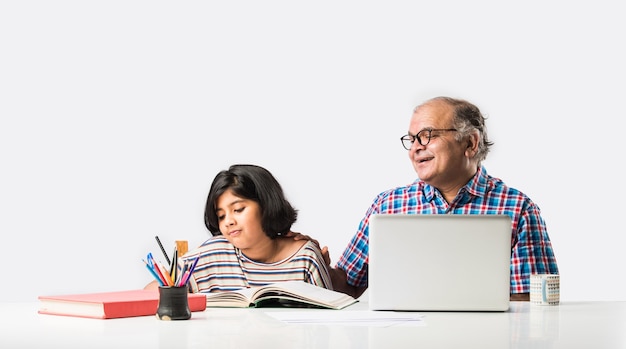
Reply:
x=569, y=325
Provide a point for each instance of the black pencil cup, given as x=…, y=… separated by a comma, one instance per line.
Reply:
x=173, y=303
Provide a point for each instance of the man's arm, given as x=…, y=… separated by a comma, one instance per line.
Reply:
x=337, y=275
x=340, y=283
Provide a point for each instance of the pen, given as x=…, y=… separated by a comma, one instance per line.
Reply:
x=159, y=270
x=190, y=271
x=154, y=274
x=180, y=274
x=167, y=259
x=184, y=279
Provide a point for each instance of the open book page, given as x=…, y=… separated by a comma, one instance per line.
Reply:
x=238, y=298
x=303, y=292
x=295, y=291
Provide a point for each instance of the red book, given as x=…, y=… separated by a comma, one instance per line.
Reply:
x=110, y=305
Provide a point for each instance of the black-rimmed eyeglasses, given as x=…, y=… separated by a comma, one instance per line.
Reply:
x=423, y=137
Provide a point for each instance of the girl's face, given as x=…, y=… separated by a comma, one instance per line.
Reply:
x=240, y=220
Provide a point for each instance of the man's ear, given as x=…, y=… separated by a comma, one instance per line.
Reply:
x=472, y=144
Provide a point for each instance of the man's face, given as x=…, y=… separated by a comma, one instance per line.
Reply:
x=441, y=162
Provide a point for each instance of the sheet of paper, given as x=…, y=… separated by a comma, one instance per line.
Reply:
x=349, y=318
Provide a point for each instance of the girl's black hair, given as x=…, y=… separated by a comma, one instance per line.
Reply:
x=255, y=183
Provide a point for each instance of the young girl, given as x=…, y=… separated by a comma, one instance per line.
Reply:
x=248, y=215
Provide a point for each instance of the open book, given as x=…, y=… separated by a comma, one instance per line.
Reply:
x=294, y=293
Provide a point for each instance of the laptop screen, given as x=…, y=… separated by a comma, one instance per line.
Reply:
x=439, y=262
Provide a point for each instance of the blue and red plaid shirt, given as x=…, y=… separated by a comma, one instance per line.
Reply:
x=531, y=249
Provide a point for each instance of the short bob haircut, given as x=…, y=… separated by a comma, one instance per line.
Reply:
x=254, y=183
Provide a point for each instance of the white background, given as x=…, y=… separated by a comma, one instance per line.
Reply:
x=116, y=116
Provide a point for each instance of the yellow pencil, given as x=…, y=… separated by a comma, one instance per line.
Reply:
x=174, y=266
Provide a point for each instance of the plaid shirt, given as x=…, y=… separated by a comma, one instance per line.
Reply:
x=531, y=249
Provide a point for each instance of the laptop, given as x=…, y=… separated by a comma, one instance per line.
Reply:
x=439, y=262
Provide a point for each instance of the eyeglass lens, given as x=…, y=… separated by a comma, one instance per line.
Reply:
x=422, y=137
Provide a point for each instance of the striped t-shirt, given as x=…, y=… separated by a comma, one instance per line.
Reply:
x=222, y=267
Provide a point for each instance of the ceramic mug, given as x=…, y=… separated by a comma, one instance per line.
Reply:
x=544, y=289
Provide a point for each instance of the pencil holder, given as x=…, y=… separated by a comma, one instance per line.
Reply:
x=173, y=303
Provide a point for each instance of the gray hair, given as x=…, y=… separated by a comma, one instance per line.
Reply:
x=467, y=119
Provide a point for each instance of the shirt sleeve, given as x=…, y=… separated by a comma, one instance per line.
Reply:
x=317, y=270
x=531, y=251
x=355, y=257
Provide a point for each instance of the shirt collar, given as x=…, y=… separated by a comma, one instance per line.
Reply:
x=477, y=185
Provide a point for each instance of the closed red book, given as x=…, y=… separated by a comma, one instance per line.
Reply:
x=110, y=305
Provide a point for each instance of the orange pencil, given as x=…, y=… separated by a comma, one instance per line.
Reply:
x=159, y=270
x=164, y=274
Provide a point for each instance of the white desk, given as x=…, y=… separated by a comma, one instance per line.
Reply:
x=570, y=325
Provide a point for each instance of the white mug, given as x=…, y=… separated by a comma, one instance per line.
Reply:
x=545, y=289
